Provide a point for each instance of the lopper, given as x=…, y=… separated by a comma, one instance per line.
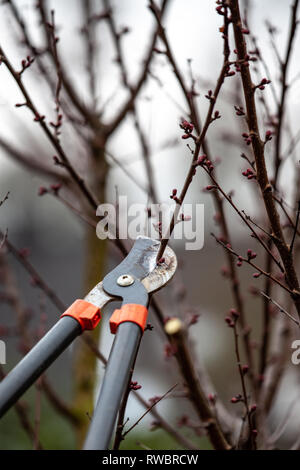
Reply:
x=132, y=281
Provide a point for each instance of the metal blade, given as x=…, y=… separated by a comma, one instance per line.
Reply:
x=162, y=273
x=141, y=264
x=98, y=297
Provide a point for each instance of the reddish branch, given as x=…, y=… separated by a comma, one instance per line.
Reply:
x=189, y=95
x=251, y=439
x=52, y=138
x=148, y=410
x=54, y=39
x=135, y=89
x=195, y=391
x=258, y=149
x=280, y=308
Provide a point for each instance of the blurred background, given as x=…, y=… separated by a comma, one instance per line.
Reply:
x=56, y=237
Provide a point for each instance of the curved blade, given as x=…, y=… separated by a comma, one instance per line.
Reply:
x=162, y=273
x=141, y=264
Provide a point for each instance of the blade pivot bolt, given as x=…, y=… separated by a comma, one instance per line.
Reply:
x=125, y=280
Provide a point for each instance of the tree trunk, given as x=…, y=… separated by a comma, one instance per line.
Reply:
x=95, y=267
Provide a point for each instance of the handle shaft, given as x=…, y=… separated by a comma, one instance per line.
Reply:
x=37, y=361
x=120, y=363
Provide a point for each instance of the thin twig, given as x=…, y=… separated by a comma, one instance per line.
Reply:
x=281, y=203
x=4, y=199
x=295, y=228
x=280, y=308
x=284, y=86
x=243, y=382
x=253, y=265
x=158, y=418
x=38, y=280
x=190, y=97
x=52, y=138
x=148, y=410
x=117, y=37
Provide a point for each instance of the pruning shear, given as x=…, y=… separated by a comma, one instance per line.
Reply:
x=133, y=280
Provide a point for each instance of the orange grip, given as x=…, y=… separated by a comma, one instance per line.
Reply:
x=87, y=314
x=129, y=312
